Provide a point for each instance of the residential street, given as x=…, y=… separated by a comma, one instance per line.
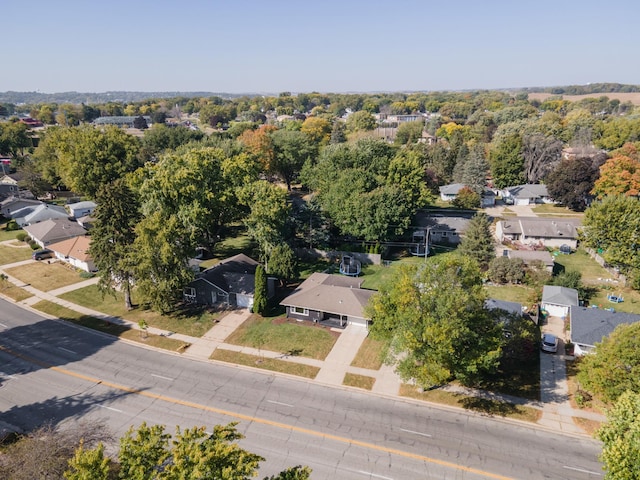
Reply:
x=59, y=372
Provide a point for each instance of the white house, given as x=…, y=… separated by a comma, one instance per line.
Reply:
x=558, y=300
x=449, y=193
x=75, y=251
x=52, y=231
x=528, y=194
x=81, y=209
x=543, y=231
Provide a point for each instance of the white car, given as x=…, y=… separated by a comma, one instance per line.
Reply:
x=549, y=343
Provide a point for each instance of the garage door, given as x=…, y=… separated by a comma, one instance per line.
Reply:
x=244, y=301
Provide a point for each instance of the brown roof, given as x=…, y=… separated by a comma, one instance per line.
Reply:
x=76, y=247
x=331, y=294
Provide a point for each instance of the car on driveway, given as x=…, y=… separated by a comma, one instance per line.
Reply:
x=42, y=254
x=549, y=343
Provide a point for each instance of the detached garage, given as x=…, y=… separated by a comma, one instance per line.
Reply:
x=558, y=300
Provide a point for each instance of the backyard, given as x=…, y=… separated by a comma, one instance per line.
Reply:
x=195, y=324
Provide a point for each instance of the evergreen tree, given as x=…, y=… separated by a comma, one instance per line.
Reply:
x=478, y=242
x=260, y=291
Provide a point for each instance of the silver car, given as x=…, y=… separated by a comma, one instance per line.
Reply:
x=549, y=343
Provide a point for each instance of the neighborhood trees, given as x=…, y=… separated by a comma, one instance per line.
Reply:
x=613, y=227
x=572, y=181
x=113, y=237
x=620, y=436
x=435, y=336
x=615, y=366
x=478, y=242
x=506, y=161
x=619, y=175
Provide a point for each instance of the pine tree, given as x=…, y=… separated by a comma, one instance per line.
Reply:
x=260, y=294
x=478, y=241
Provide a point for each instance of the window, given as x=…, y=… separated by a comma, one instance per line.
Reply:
x=189, y=292
x=300, y=310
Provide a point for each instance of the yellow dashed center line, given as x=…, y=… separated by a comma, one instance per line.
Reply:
x=258, y=420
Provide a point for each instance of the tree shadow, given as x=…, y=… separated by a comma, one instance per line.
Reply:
x=489, y=407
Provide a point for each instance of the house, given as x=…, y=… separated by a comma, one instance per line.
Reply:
x=528, y=194
x=38, y=213
x=558, y=300
x=81, y=209
x=442, y=229
x=75, y=252
x=121, y=120
x=329, y=299
x=539, y=231
x=530, y=257
x=52, y=231
x=14, y=203
x=9, y=185
x=513, y=308
x=229, y=283
x=591, y=325
x=448, y=193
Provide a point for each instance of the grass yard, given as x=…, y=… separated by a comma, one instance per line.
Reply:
x=369, y=354
x=196, y=325
x=272, y=364
x=580, y=261
x=239, y=242
x=14, y=254
x=285, y=336
x=119, y=331
x=45, y=276
x=10, y=290
x=551, y=210
x=510, y=293
x=481, y=405
x=631, y=303
x=359, y=381
x=7, y=234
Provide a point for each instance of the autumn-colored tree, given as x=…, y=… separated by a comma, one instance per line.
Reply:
x=259, y=144
x=317, y=129
x=619, y=175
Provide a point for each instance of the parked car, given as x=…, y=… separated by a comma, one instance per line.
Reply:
x=42, y=254
x=549, y=343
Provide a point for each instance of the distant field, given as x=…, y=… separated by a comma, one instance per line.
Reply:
x=633, y=97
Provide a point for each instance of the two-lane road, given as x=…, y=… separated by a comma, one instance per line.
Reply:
x=53, y=371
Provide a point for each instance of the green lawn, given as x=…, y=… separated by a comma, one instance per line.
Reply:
x=14, y=254
x=119, y=331
x=272, y=364
x=45, y=276
x=196, y=325
x=510, y=293
x=285, y=336
x=369, y=354
x=10, y=290
x=550, y=210
x=580, y=261
x=631, y=303
x=7, y=234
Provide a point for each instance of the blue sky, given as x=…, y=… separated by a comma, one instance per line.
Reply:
x=271, y=46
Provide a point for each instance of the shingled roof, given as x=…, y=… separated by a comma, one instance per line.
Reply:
x=590, y=325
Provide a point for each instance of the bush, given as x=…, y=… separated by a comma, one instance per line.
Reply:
x=11, y=225
x=21, y=236
x=84, y=274
x=34, y=245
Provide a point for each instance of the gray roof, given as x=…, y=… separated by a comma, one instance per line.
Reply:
x=590, y=325
x=444, y=223
x=39, y=213
x=510, y=307
x=233, y=275
x=544, y=227
x=55, y=230
x=335, y=294
x=529, y=190
x=451, y=189
x=563, y=296
x=85, y=204
x=529, y=256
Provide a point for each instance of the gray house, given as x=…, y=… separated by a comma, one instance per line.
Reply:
x=229, y=283
x=330, y=299
x=38, y=213
x=545, y=231
x=558, y=300
x=591, y=325
x=81, y=209
x=52, y=231
x=528, y=194
x=449, y=193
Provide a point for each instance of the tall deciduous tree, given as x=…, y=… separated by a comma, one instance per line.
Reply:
x=113, y=237
x=478, y=242
x=292, y=149
x=613, y=225
x=619, y=175
x=571, y=182
x=507, y=164
x=85, y=158
x=360, y=121
x=615, y=366
x=541, y=154
x=283, y=263
x=620, y=436
x=436, y=336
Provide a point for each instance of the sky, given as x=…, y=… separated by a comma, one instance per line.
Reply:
x=272, y=46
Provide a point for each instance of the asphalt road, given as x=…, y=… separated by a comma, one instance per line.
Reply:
x=52, y=371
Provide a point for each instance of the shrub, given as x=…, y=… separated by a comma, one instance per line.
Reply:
x=11, y=225
x=84, y=274
x=34, y=245
x=21, y=236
